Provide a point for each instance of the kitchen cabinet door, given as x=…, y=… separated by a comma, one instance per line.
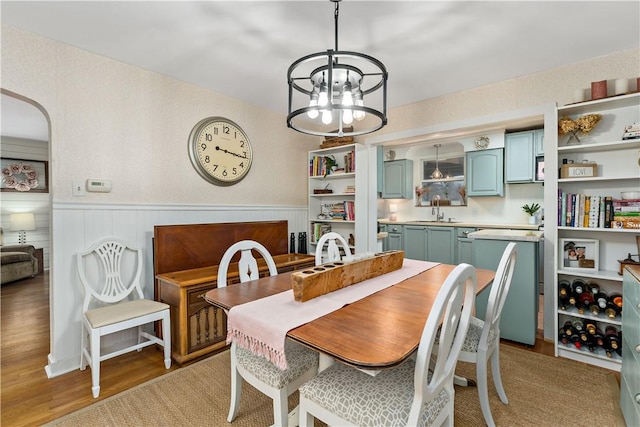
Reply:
x=397, y=181
x=538, y=136
x=464, y=245
x=415, y=242
x=394, y=241
x=441, y=244
x=519, y=156
x=519, y=320
x=485, y=173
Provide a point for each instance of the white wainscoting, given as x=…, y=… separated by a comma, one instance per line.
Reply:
x=77, y=226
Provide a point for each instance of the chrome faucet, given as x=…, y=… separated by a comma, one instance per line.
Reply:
x=436, y=210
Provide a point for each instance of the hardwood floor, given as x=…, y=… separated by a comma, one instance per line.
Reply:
x=29, y=398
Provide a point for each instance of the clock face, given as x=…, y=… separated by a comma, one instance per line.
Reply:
x=220, y=151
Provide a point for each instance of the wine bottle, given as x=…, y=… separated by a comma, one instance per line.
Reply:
x=590, y=326
x=565, y=294
x=616, y=298
x=592, y=345
x=586, y=301
x=593, y=287
x=600, y=299
x=611, y=337
x=598, y=338
x=575, y=339
x=567, y=328
x=578, y=325
x=562, y=337
x=578, y=286
x=612, y=310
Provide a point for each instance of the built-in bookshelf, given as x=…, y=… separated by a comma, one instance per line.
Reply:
x=333, y=193
x=594, y=227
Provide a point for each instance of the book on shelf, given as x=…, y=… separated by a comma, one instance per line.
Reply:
x=319, y=166
x=589, y=211
x=318, y=229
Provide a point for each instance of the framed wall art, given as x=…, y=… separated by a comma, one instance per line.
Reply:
x=578, y=254
x=24, y=175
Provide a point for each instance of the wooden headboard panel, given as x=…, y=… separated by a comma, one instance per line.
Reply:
x=187, y=246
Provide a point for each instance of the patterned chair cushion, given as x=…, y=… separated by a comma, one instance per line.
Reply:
x=472, y=339
x=299, y=360
x=383, y=400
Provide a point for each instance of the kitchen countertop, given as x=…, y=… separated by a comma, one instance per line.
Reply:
x=462, y=224
x=511, y=235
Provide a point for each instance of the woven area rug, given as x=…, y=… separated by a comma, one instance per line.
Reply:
x=542, y=391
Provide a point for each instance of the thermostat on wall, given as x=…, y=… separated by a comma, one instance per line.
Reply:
x=99, y=185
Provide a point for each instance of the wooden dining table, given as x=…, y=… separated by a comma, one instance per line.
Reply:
x=376, y=332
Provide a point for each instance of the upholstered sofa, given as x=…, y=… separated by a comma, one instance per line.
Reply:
x=18, y=262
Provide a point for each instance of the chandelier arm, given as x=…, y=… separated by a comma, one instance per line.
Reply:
x=336, y=13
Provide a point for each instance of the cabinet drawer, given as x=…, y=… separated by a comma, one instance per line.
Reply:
x=631, y=291
x=631, y=363
x=629, y=403
x=196, y=296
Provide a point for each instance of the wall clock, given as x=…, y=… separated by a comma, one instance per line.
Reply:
x=220, y=151
x=481, y=142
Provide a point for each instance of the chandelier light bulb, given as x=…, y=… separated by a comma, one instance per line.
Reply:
x=313, y=102
x=347, y=96
x=359, y=115
x=323, y=99
x=326, y=117
x=347, y=117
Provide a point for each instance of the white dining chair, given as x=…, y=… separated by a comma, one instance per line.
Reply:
x=409, y=394
x=331, y=240
x=110, y=274
x=482, y=342
x=278, y=384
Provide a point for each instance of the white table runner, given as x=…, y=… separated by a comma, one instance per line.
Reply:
x=262, y=325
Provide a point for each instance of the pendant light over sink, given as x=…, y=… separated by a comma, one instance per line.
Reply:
x=436, y=174
x=330, y=90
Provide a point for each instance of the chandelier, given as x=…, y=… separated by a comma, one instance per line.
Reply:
x=328, y=90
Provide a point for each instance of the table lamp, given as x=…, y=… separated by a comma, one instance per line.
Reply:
x=393, y=208
x=22, y=222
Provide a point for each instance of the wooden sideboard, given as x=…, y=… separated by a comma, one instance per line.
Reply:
x=197, y=327
x=185, y=260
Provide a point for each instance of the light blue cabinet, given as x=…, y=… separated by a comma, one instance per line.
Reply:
x=415, y=242
x=519, y=156
x=519, y=320
x=397, y=181
x=485, y=173
x=394, y=241
x=464, y=245
x=441, y=244
x=630, y=371
x=538, y=136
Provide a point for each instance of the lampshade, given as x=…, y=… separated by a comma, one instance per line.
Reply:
x=329, y=90
x=436, y=174
x=393, y=208
x=22, y=222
